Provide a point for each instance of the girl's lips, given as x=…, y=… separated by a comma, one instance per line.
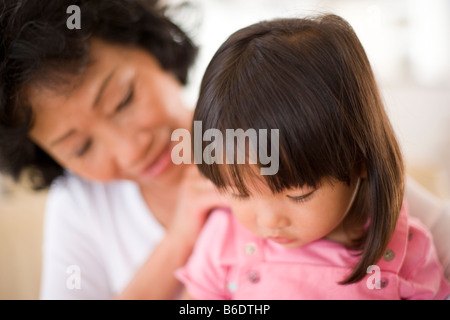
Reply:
x=160, y=164
x=281, y=240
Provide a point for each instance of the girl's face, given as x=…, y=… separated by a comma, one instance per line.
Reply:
x=116, y=121
x=295, y=217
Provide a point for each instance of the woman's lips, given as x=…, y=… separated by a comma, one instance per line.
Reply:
x=157, y=166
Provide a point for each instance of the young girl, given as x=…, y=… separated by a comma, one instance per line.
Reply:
x=331, y=223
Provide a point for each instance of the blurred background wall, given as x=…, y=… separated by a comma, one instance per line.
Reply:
x=407, y=42
x=408, y=45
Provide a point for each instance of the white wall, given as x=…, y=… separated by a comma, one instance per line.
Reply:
x=407, y=42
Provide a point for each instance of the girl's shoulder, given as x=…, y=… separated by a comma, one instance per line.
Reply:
x=418, y=243
x=220, y=236
x=421, y=274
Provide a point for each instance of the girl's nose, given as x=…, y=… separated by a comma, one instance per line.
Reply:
x=272, y=220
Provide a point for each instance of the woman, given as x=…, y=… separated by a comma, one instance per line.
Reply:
x=90, y=111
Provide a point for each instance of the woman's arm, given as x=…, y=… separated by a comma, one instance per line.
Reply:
x=155, y=279
x=185, y=295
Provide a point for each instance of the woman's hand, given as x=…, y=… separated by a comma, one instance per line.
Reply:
x=197, y=198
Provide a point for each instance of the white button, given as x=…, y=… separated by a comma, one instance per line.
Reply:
x=250, y=248
x=232, y=286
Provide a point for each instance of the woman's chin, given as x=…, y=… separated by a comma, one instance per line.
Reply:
x=167, y=174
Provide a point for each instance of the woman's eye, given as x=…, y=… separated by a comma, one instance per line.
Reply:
x=302, y=198
x=128, y=98
x=84, y=149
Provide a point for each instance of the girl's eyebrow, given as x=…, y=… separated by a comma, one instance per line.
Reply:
x=236, y=193
x=239, y=195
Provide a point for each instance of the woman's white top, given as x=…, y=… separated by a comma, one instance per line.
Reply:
x=96, y=236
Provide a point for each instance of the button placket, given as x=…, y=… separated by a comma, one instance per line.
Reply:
x=253, y=256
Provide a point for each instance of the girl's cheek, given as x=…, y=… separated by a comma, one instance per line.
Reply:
x=242, y=212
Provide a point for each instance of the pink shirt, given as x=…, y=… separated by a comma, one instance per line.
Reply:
x=229, y=262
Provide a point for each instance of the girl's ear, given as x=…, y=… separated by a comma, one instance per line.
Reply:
x=363, y=171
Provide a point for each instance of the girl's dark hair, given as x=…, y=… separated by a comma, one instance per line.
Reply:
x=311, y=79
x=37, y=46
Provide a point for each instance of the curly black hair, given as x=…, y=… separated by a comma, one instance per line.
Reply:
x=37, y=45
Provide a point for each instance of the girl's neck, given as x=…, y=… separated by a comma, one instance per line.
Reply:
x=345, y=235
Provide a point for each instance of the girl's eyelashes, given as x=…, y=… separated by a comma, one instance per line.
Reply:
x=302, y=198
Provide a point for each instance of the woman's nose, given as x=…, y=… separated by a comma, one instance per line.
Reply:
x=272, y=220
x=128, y=147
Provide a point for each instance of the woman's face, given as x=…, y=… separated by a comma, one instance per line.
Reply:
x=116, y=121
